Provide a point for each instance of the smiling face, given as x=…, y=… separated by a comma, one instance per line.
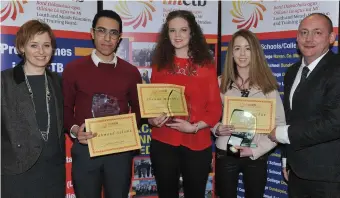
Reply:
x=105, y=44
x=241, y=52
x=38, y=51
x=314, y=37
x=179, y=34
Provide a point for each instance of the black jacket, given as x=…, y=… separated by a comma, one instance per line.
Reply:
x=21, y=144
x=314, y=131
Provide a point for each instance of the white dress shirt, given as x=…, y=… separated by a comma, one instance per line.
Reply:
x=96, y=60
x=282, y=131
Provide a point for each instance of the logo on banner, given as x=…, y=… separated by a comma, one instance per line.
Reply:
x=247, y=14
x=11, y=9
x=184, y=2
x=142, y=13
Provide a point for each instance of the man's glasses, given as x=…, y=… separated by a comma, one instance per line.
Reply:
x=102, y=32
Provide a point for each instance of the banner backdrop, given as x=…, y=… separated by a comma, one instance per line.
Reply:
x=71, y=23
x=142, y=21
x=275, y=24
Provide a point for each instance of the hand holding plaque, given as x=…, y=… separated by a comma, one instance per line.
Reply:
x=249, y=116
x=174, y=107
x=262, y=108
x=244, y=124
x=114, y=133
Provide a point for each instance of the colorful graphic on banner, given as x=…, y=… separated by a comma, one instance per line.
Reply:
x=12, y=9
x=144, y=16
x=272, y=16
x=239, y=14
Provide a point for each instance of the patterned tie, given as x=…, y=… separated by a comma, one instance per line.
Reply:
x=305, y=71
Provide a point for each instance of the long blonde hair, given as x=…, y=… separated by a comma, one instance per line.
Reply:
x=259, y=72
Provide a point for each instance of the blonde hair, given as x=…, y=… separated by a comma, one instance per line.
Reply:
x=259, y=72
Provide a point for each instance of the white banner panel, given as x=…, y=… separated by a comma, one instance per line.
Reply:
x=272, y=16
x=70, y=15
x=143, y=16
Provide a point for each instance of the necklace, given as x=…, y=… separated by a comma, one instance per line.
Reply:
x=187, y=70
x=44, y=134
x=244, y=92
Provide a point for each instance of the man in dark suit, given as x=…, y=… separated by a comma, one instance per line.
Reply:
x=312, y=107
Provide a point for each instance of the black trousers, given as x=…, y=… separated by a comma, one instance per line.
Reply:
x=227, y=172
x=169, y=162
x=302, y=188
x=111, y=172
x=41, y=181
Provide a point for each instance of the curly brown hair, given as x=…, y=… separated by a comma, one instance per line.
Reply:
x=164, y=53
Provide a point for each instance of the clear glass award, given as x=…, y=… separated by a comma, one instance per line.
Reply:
x=174, y=106
x=104, y=105
x=244, y=123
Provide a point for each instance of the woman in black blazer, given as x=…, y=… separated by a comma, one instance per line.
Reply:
x=32, y=139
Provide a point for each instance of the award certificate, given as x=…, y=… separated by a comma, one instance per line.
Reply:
x=156, y=99
x=115, y=134
x=261, y=109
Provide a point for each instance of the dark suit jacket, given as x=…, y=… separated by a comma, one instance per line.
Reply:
x=314, y=132
x=21, y=142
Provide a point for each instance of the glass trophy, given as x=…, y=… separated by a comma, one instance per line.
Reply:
x=244, y=123
x=104, y=105
x=173, y=107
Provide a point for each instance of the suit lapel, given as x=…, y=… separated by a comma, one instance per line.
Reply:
x=316, y=73
x=290, y=77
x=314, y=76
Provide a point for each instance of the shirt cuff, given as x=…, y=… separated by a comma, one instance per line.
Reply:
x=71, y=134
x=284, y=162
x=282, y=134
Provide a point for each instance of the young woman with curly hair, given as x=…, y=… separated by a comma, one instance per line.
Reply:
x=182, y=147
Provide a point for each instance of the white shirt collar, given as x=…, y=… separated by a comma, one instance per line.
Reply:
x=313, y=64
x=96, y=60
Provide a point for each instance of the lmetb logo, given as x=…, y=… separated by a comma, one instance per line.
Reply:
x=185, y=2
